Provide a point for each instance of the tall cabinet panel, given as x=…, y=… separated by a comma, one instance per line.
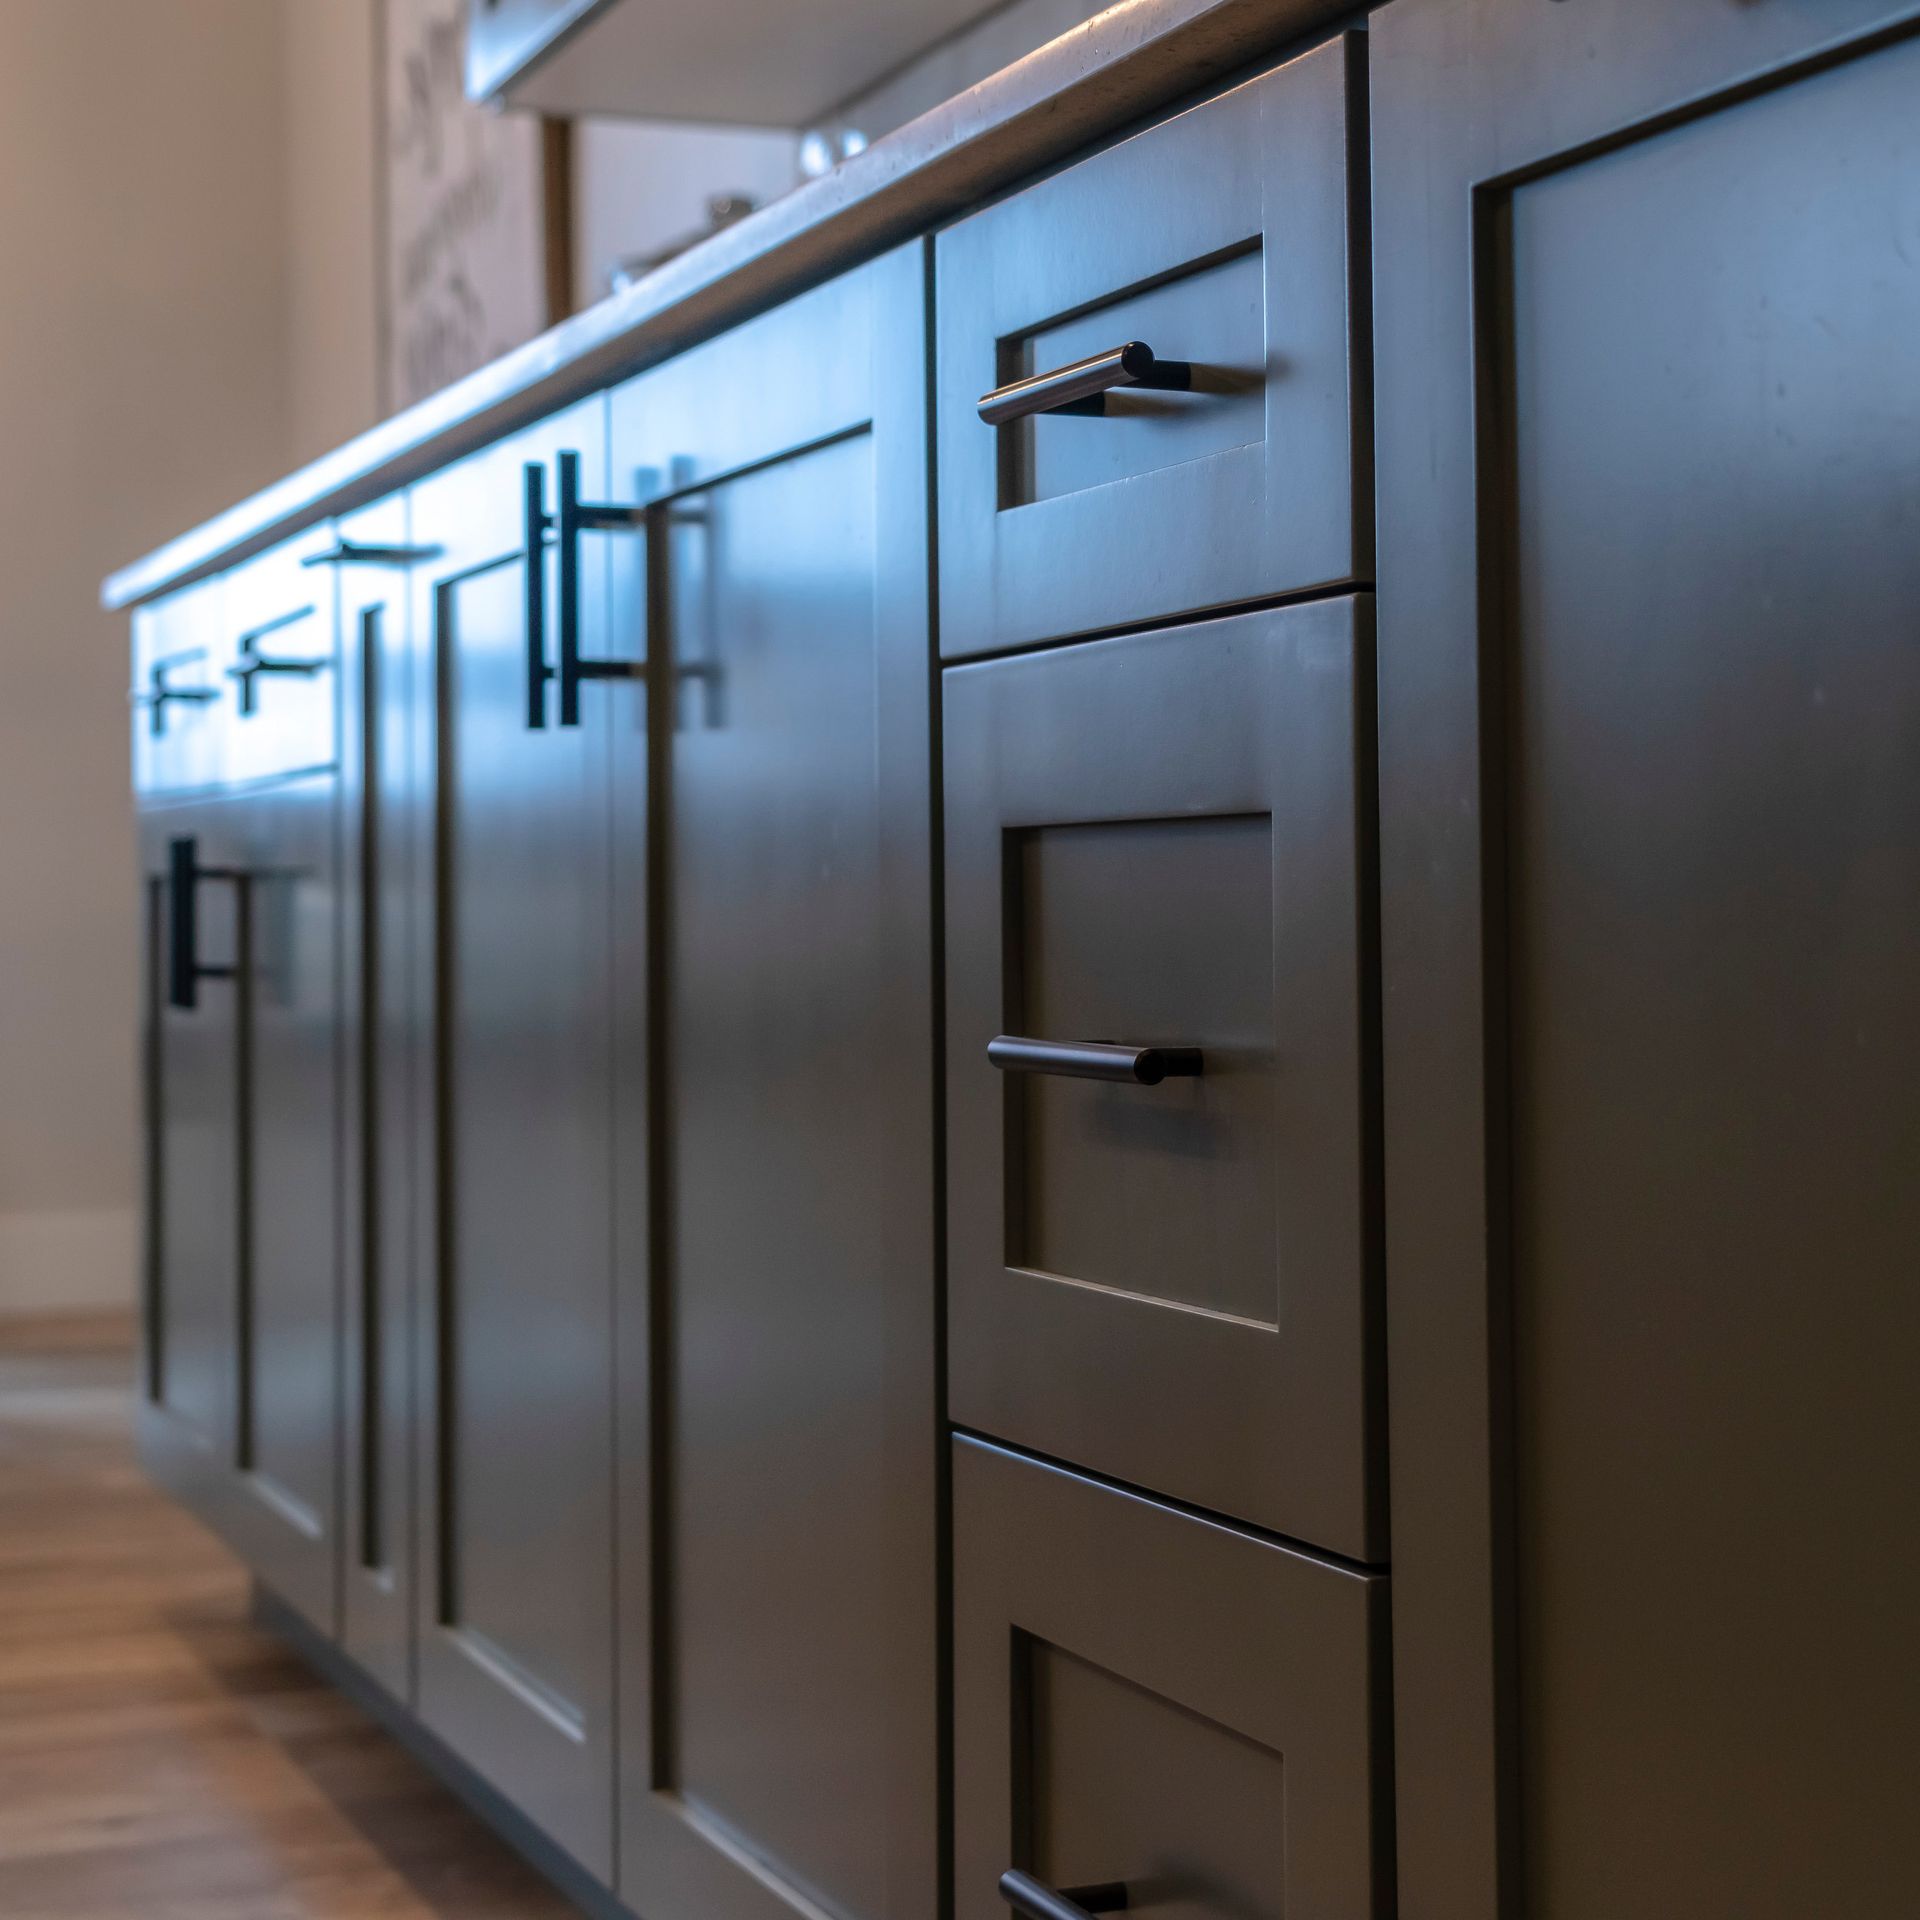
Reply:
x=780, y=1501
x=189, y=1054
x=373, y=559
x=193, y=1061
x=511, y=858
x=284, y=742
x=1650, y=757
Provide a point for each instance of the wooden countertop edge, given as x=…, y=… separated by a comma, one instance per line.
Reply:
x=1118, y=66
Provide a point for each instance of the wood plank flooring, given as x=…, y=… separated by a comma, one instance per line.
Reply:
x=160, y=1756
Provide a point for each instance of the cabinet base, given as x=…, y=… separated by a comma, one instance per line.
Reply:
x=273, y=1615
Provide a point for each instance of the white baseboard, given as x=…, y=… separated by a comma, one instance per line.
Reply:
x=68, y=1262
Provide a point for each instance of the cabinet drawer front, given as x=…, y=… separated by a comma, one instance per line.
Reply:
x=1147, y=1698
x=282, y=661
x=1163, y=841
x=1228, y=241
x=181, y=699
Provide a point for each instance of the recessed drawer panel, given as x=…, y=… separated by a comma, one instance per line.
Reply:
x=1147, y=1700
x=1157, y=902
x=283, y=667
x=1226, y=243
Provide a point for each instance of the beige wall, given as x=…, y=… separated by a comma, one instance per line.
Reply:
x=639, y=187
x=143, y=385
x=327, y=76
x=188, y=247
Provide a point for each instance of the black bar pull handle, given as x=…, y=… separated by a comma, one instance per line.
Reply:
x=538, y=524
x=253, y=663
x=1083, y=385
x=183, y=923
x=1094, y=1060
x=358, y=553
x=160, y=693
x=576, y=518
x=184, y=874
x=572, y=518
x=1035, y=1900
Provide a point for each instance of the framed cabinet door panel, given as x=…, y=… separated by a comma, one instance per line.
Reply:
x=287, y=1495
x=1164, y=841
x=240, y=1415
x=779, y=1453
x=1229, y=240
x=1148, y=1699
x=514, y=1595
x=193, y=1061
x=373, y=559
x=1648, y=354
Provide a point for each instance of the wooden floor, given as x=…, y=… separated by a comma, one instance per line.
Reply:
x=159, y=1756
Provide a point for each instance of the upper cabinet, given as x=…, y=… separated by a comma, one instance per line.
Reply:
x=733, y=62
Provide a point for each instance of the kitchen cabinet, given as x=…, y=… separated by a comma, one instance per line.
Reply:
x=189, y=1053
x=780, y=1536
x=283, y=733
x=1251, y=1248
x=1196, y=287
x=288, y=1326
x=192, y=1066
x=1650, y=697
x=383, y=989
x=244, y=890
x=1145, y=1699
x=513, y=908
x=1161, y=845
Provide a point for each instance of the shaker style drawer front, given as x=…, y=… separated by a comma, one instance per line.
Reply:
x=1152, y=394
x=1158, y=1019
x=180, y=699
x=1156, y=1708
x=281, y=667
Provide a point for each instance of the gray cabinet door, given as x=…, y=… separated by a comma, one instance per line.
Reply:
x=380, y=1043
x=1649, y=359
x=780, y=1502
x=1229, y=238
x=286, y=1495
x=240, y=1416
x=192, y=1060
x=515, y=1587
x=1165, y=841
x=283, y=743
x=1147, y=1698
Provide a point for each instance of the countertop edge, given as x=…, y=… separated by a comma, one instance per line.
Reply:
x=1118, y=66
